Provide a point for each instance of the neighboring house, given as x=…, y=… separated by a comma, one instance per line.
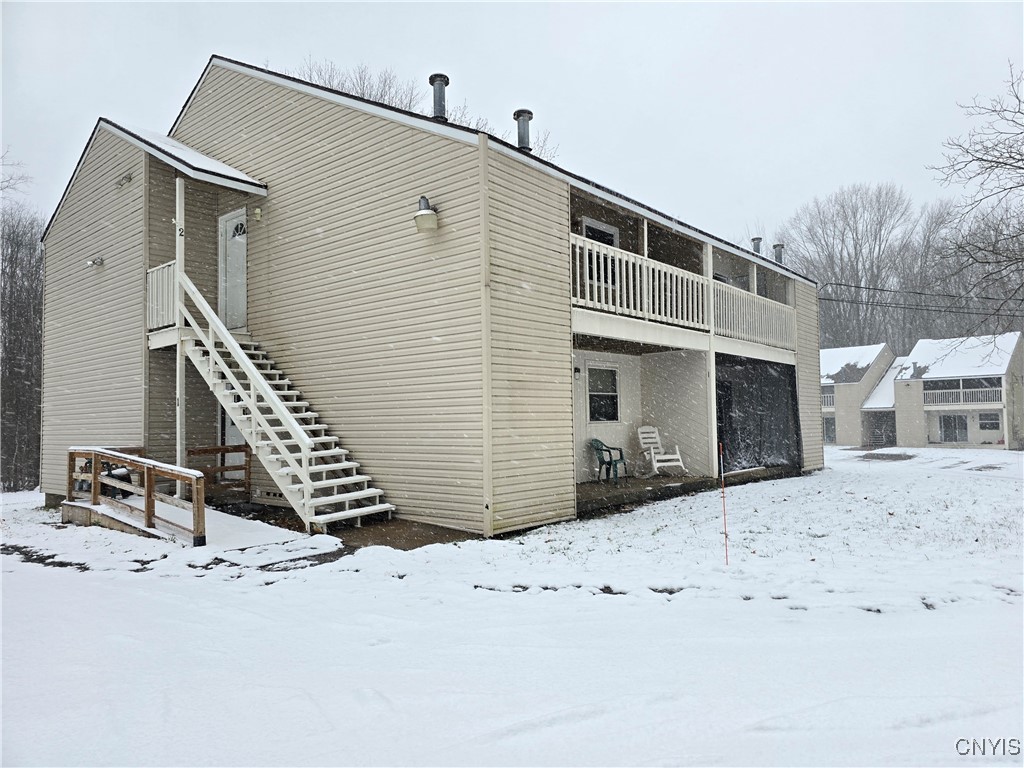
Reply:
x=965, y=392
x=848, y=375
x=878, y=414
x=271, y=272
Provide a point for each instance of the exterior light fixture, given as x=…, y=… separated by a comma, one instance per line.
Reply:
x=576, y=373
x=123, y=180
x=257, y=213
x=426, y=216
x=97, y=262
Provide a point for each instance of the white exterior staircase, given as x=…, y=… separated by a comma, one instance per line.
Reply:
x=314, y=474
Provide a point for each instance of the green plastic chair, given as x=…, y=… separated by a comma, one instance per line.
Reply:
x=607, y=461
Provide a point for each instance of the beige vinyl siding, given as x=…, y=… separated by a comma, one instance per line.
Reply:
x=1013, y=388
x=94, y=317
x=532, y=457
x=377, y=324
x=808, y=377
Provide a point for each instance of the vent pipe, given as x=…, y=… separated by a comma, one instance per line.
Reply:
x=778, y=247
x=756, y=243
x=523, y=118
x=439, y=82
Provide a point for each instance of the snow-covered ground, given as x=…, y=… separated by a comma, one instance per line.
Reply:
x=871, y=614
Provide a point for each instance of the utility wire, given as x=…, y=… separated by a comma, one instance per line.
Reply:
x=923, y=308
x=919, y=293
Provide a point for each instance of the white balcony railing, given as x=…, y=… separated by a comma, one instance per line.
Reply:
x=964, y=396
x=828, y=401
x=612, y=280
x=744, y=315
x=160, y=309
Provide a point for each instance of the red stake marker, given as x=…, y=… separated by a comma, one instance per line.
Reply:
x=725, y=520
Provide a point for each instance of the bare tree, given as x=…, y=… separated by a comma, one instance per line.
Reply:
x=987, y=250
x=12, y=178
x=852, y=242
x=386, y=87
x=21, y=313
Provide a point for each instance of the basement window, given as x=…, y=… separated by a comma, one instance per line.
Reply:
x=603, y=394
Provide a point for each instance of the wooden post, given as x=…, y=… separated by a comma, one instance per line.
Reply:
x=95, y=498
x=150, y=486
x=72, y=459
x=198, y=513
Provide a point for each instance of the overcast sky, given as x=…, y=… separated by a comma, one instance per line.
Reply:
x=727, y=116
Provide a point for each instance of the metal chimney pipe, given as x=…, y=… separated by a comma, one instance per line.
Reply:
x=778, y=247
x=756, y=243
x=523, y=117
x=439, y=82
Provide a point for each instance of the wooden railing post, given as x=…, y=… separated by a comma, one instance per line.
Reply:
x=72, y=459
x=150, y=485
x=198, y=513
x=95, y=497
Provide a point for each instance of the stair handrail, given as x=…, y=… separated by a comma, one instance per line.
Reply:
x=223, y=335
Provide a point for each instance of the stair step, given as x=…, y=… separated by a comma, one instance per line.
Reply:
x=335, y=482
x=320, y=439
x=339, y=467
x=328, y=453
x=348, y=514
x=323, y=501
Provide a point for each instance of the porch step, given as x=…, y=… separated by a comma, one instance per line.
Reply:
x=348, y=514
x=339, y=467
x=333, y=482
x=323, y=501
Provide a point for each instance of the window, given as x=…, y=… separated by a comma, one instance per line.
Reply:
x=988, y=421
x=953, y=428
x=600, y=232
x=603, y=392
x=828, y=425
x=941, y=385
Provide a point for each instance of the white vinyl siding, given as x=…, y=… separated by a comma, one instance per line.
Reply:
x=377, y=324
x=532, y=455
x=94, y=317
x=808, y=378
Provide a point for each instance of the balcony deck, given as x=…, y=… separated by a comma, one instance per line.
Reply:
x=608, y=279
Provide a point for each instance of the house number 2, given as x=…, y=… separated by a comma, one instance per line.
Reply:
x=181, y=231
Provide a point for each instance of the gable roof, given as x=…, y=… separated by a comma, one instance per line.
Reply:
x=847, y=365
x=883, y=396
x=184, y=159
x=973, y=356
x=464, y=133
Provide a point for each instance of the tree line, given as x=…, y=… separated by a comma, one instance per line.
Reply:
x=887, y=270
x=890, y=271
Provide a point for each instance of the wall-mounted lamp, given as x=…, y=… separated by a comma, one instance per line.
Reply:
x=576, y=373
x=123, y=180
x=257, y=213
x=426, y=216
x=97, y=262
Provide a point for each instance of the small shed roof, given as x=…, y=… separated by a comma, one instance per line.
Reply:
x=847, y=365
x=952, y=358
x=883, y=396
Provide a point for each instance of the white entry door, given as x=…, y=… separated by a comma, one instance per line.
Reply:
x=232, y=252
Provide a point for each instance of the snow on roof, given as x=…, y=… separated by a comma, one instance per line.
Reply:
x=846, y=365
x=950, y=358
x=190, y=158
x=883, y=396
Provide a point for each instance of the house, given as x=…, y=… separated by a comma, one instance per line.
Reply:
x=848, y=375
x=878, y=413
x=966, y=392
x=401, y=314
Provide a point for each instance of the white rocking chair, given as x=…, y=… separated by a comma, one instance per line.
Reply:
x=650, y=442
